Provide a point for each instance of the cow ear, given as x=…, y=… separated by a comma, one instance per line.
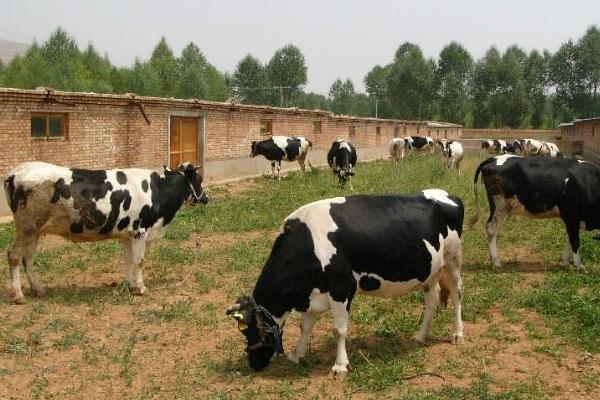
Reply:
x=167, y=169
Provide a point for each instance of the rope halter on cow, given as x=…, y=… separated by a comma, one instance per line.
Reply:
x=191, y=186
x=268, y=329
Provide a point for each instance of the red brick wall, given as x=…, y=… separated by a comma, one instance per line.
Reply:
x=107, y=131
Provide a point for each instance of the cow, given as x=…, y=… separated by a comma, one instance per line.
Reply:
x=278, y=148
x=419, y=143
x=541, y=187
x=453, y=153
x=515, y=147
x=550, y=149
x=330, y=250
x=496, y=146
x=397, y=147
x=342, y=158
x=533, y=147
x=133, y=205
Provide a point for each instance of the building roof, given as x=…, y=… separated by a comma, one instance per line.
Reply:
x=126, y=99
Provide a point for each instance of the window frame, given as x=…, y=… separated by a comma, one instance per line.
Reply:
x=317, y=127
x=47, y=116
x=268, y=127
x=378, y=131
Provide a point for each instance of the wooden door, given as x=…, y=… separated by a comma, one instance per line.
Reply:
x=184, y=141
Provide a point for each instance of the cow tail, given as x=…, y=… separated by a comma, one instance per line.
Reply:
x=475, y=217
x=309, y=143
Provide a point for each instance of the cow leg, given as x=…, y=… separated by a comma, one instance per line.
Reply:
x=128, y=262
x=273, y=169
x=454, y=283
x=279, y=170
x=567, y=254
x=22, y=249
x=138, y=247
x=301, y=161
x=573, y=232
x=36, y=289
x=493, y=224
x=318, y=305
x=340, y=331
x=432, y=298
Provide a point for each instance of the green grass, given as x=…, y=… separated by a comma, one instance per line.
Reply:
x=188, y=292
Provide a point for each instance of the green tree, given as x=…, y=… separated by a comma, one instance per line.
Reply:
x=287, y=69
x=588, y=51
x=410, y=83
x=120, y=79
x=453, y=79
x=341, y=97
x=376, y=86
x=249, y=82
x=536, y=84
x=567, y=77
x=485, y=90
x=97, y=71
x=514, y=103
x=192, y=71
x=217, y=88
x=144, y=80
x=164, y=64
x=62, y=58
x=312, y=101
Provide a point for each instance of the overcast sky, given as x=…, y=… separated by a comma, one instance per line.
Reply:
x=340, y=39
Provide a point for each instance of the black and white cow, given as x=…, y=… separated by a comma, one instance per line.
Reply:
x=342, y=158
x=420, y=143
x=330, y=250
x=453, y=153
x=496, y=146
x=397, y=147
x=278, y=148
x=541, y=187
x=134, y=205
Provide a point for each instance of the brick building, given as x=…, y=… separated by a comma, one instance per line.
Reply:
x=584, y=134
x=109, y=131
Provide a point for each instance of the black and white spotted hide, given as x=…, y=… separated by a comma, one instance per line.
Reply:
x=541, y=187
x=331, y=250
x=341, y=158
x=133, y=205
x=282, y=148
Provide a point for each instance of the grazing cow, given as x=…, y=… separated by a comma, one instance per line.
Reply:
x=532, y=147
x=453, y=153
x=330, y=250
x=493, y=146
x=541, y=188
x=420, y=143
x=278, y=148
x=515, y=147
x=342, y=158
x=550, y=149
x=397, y=147
x=134, y=205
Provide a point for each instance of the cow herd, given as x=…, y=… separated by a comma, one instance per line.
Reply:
x=327, y=251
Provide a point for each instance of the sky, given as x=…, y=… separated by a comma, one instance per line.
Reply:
x=339, y=39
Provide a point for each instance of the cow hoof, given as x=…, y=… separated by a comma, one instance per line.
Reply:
x=138, y=291
x=458, y=339
x=496, y=264
x=38, y=292
x=294, y=358
x=19, y=300
x=339, y=372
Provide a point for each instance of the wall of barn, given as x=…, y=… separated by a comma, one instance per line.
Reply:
x=590, y=131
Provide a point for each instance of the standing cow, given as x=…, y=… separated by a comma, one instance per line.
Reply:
x=397, y=147
x=495, y=146
x=420, y=143
x=134, y=205
x=453, y=153
x=278, y=148
x=541, y=188
x=331, y=250
x=341, y=159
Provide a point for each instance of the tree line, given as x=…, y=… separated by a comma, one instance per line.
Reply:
x=511, y=89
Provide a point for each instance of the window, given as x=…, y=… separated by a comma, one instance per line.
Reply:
x=378, y=131
x=266, y=126
x=48, y=126
x=351, y=132
x=397, y=131
x=317, y=127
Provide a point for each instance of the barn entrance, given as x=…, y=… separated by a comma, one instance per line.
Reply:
x=185, y=140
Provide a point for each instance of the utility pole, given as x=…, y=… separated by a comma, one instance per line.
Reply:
x=375, y=107
x=281, y=96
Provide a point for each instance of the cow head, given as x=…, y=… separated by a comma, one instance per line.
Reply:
x=194, y=181
x=253, y=149
x=263, y=334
